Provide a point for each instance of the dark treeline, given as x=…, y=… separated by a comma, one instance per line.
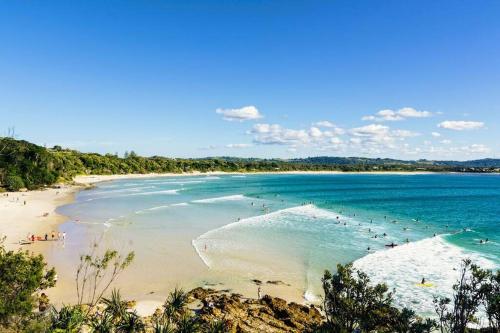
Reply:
x=26, y=165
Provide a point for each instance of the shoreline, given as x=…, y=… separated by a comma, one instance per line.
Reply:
x=92, y=179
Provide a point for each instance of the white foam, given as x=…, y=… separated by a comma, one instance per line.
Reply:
x=201, y=255
x=239, y=176
x=404, y=266
x=219, y=199
x=310, y=297
x=180, y=182
x=169, y=192
x=305, y=210
x=180, y=204
x=132, y=189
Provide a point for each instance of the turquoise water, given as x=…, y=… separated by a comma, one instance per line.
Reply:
x=292, y=227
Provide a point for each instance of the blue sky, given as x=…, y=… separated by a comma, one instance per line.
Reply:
x=405, y=79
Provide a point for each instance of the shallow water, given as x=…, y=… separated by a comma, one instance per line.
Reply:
x=228, y=230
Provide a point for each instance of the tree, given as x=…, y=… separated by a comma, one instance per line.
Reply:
x=469, y=293
x=492, y=301
x=350, y=302
x=96, y=273
x=14, y=182
x=22, y=275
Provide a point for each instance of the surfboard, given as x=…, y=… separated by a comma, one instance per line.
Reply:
x=425, y=285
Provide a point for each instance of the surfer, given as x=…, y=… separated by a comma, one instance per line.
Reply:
x=368, y=248
x=423, y=281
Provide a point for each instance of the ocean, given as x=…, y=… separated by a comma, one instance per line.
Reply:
x=225, y=231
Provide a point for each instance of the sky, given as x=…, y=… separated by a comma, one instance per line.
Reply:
x=402, y=79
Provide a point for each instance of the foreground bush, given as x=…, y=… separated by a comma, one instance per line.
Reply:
x=351, y=304
x=22, y=275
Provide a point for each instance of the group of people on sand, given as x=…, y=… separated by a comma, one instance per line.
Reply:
x=16, y=200
x=59, y=236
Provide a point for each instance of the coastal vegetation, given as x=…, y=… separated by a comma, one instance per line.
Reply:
x=351, y=303
x=27, y=165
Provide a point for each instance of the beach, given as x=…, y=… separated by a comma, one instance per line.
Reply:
x=32, y=212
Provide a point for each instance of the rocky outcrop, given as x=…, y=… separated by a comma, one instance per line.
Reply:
x=268, y=314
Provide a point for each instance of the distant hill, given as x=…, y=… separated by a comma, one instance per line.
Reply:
x=328, y=160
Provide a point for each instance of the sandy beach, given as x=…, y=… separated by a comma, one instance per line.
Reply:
x=92, y=179
x=32, y=212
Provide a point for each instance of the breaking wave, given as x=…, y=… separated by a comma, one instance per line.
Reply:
x=220, y=199
x=403, y=268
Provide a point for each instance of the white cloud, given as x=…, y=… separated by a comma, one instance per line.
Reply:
x=324, y=123
x=276, y=134
x=446, y=142
x=241, y=114
x=370, y=130
x=461, y=125
x=401, y=114
x=315, y=132
x=436, y=134
x=412, y=113
x=476, y=148
x=209, y=147
x=403, y=133
x=238, y=145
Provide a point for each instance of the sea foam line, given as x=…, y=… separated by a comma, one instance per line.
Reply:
x=220, y=199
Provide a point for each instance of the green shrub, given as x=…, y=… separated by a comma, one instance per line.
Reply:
x=14, y=182
x=22, y=275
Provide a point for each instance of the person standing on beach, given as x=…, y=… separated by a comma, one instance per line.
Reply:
x=258, y=293
x=64, y=236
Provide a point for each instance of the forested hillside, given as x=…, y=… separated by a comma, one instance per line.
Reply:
x=26, y=165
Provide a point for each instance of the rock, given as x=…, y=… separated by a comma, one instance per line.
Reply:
x=269, y=314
